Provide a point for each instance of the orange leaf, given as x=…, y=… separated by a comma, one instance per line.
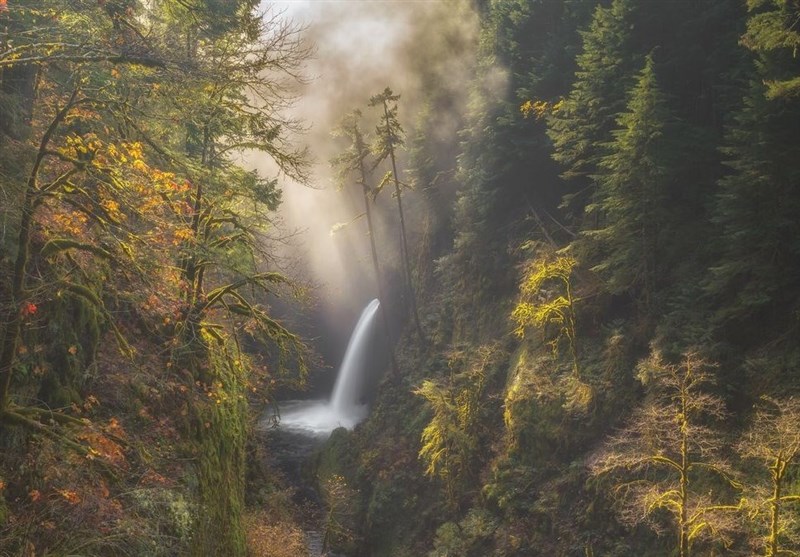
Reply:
x=72, y=497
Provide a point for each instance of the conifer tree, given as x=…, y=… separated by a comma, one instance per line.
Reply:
x=354, y=161
x=772, y=32
x=581, y=126
x=632, y=180
x=389, y=136
x=757, y=205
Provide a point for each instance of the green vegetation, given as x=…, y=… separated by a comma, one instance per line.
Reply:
x=388, y=138
x=535, y=309
x=668, y=433
x=623, y=238
x=133, y=278
x=598, y=267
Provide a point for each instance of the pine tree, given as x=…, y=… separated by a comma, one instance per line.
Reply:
x=772, y=32
x=354, y=161
x=389, y=136
x=632, y=181
x=581, y=127
x=757, y=206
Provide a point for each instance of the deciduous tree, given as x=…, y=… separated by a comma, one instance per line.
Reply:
x=546, y=298
x=773, y=441
x=451, y=439
x=668, y=462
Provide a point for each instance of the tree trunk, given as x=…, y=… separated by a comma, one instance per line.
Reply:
x=20, y=81
x=683, y=526
x=775, y=507
x=13, y=318
x=360, y=147
x=404, y=242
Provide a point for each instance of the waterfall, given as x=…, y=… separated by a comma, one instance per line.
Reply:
x=349, y=382
x=345, y=407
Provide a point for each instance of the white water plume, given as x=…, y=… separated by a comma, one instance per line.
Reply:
x=347, y=406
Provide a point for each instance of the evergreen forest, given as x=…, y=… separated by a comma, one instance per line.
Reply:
x=581, y=219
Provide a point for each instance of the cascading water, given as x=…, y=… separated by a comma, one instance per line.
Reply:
x=345, y=408
x=347, y=390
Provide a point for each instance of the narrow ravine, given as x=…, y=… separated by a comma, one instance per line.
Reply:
x=292, y=455
x=304, y=426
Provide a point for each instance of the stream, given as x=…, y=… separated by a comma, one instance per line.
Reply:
x=291, y=452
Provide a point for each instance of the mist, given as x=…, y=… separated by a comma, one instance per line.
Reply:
x=360, y=48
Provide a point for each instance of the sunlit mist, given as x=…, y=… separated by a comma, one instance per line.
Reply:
x=360, y=48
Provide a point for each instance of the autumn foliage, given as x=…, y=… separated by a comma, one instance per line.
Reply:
x=132, y=275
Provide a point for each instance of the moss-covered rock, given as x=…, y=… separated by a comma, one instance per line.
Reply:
x=72, y=338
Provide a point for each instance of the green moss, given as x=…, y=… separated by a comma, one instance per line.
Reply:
x=4, y=512
x=72, y=338
x=169, y=518
x=337, y=456
x=220, y=435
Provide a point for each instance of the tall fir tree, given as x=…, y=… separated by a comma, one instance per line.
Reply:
x=756, y=206
x=389, y=136
x=772, y=32
x=581, y=126
x=756, y=209
x=353, y=161
x=633, y=180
